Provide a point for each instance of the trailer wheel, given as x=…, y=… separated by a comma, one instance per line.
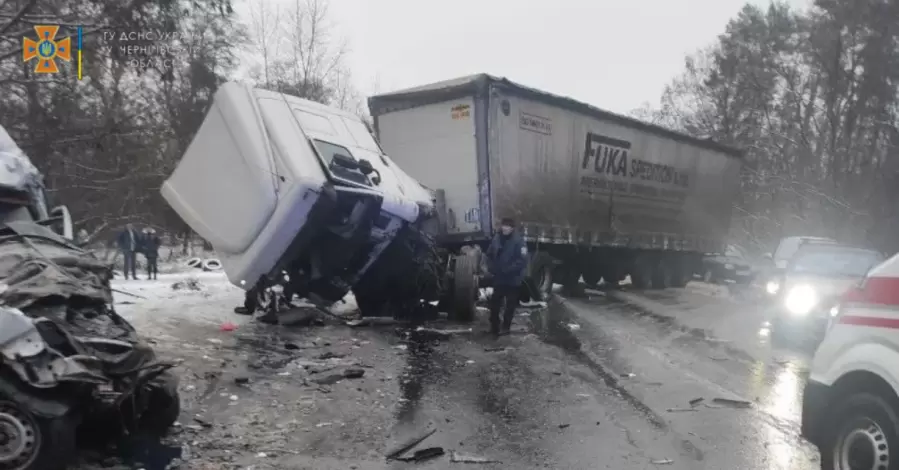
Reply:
x=465, y=288
x=680, y=274
x=642, y=272
x=591, y=277
x=661, y=275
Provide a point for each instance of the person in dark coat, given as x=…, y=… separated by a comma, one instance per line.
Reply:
x=129, y=243
x=507, y=262
x=151, y=244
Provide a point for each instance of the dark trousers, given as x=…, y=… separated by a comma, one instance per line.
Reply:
x=130, y=263
x=152, y=267
x=509, y=294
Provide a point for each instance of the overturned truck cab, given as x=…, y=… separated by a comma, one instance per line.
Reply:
x=298, y=198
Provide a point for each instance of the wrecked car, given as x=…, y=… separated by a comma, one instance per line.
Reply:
x=297, y=197
x=69, y=364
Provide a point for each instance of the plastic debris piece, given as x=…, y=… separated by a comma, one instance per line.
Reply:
x=423, y=454
x=410, y=443
x=733, y=403
x=663, y=462
x=228, y=326
x=457, y=457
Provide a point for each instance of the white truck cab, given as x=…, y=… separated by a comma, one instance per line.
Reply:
x=297, y=194
x=851, y=402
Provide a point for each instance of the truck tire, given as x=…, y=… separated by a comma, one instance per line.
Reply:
x=591, y=277
x=661, y=275
x=465, y=288
x=43, y=443
x=680, y=274
x=539, y=280
x=642, y=273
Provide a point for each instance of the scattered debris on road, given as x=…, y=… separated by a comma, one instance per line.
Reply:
x=564, y=425
x=423, y=455
x=733, y=403
x=409, y=444
x=663, y=462
x=456, y=457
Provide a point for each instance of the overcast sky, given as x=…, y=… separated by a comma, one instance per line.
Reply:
x=615, y=54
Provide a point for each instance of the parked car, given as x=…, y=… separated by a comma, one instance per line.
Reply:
x=850, y=409
x=734, y=264
x=781, y=257
x=812, y=283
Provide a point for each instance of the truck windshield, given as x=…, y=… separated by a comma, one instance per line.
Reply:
x=835, y=261
x=327, y=150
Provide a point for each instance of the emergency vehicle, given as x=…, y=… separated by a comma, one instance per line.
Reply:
x=850, y=407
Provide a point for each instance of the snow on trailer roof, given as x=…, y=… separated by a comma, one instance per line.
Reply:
x=479, y=83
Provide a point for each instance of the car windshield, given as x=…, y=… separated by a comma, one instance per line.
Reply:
x=849, y=262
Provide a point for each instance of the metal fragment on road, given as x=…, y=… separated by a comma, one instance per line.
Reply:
x=663, y=462
x=423, y=454
x=457, y=457
x=680, y=410
x=733, y=403
x=409, y=444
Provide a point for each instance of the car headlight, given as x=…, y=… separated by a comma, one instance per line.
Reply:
x=772, y=287
x=728, y=266
x=801, y=300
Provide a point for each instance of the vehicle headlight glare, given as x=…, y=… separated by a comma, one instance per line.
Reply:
x=772, y=287
x=728, y=266
x=801, y=300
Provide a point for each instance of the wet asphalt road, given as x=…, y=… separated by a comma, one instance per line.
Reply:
x=673, y=364
x=592, y=382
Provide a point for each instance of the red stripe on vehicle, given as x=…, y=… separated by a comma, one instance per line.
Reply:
x=875, y=291
x=875, y=322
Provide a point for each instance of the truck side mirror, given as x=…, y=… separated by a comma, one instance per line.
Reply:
x=365, y=167
x=64, y=226
x=345, y=161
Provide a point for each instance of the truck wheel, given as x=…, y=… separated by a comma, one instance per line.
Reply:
x=641, y=274
x=591, y=277
x=465, y=288
x=539, y=281
x=661, y=275
x=34, y=443
x=863, y=434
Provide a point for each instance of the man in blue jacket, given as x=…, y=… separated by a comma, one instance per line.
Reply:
x=506, y=261
x=129, y=241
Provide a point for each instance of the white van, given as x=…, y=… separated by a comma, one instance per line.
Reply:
x=292, y=191
x=850, y=408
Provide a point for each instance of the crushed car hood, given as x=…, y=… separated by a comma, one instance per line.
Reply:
x=37, y=266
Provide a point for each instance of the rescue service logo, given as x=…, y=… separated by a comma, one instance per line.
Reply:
x=46, y=50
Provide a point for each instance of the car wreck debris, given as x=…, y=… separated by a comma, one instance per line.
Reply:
x=410, y=443
x=68, y=361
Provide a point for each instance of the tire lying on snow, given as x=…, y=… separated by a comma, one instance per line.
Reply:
x=212, y=264
x=194, y=263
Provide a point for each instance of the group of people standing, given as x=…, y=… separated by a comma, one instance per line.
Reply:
x=131, y=242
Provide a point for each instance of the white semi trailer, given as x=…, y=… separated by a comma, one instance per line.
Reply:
x=598, y=195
